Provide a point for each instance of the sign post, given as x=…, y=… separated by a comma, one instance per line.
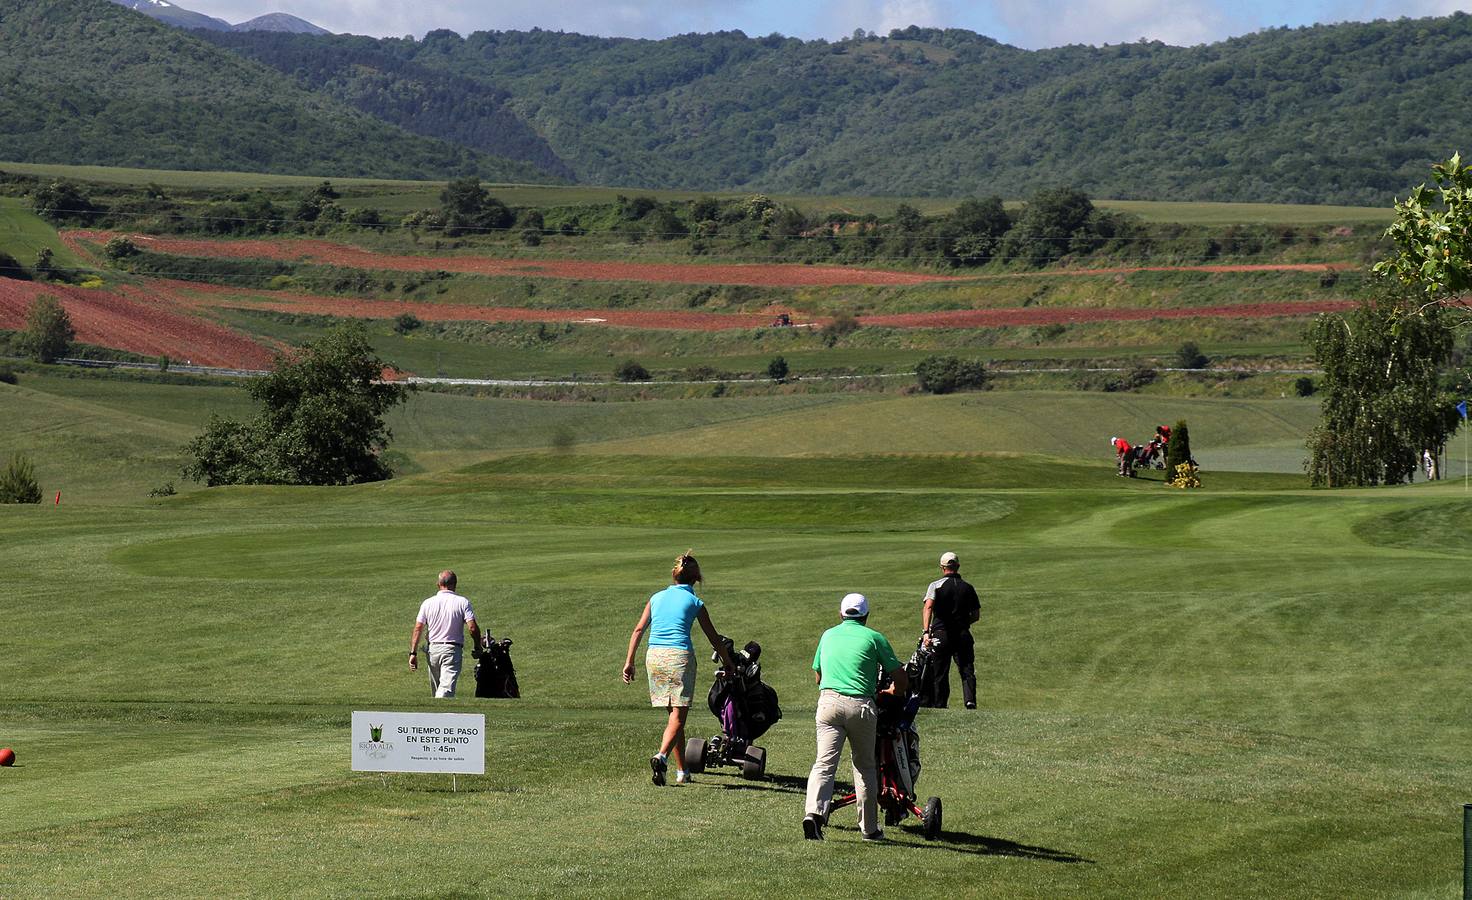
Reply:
x=452, y=743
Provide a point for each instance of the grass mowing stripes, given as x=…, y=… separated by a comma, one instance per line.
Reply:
x=1252, y=689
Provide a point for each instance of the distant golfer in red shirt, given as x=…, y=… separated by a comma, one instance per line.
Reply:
x=1125, y=454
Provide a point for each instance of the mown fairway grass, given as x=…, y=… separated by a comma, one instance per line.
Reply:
x=1251, y=690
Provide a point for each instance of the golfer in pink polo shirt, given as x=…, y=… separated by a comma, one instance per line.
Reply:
x=444, y=617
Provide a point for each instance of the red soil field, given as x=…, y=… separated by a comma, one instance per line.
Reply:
x=138, y=320
x=328, y=253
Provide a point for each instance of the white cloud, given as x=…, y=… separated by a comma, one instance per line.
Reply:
x=1177, y=22
x=630, y=18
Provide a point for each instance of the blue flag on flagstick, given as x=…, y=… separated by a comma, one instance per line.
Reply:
x=1462, y=408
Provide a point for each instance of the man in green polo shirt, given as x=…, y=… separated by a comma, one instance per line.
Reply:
x=847, y=670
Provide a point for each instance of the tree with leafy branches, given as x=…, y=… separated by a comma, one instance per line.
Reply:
x=1384, y=402
x=48, y=334
x=321, y=420
x=1432, y=234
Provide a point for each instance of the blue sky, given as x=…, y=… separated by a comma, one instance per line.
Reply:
x=1021, y=22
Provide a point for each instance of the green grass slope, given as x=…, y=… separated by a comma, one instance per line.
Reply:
x=23, y=234
x=1238, y=692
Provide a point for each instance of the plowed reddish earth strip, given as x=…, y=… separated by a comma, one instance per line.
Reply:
x=188, y=293
x=328, y=253
x=138, y=320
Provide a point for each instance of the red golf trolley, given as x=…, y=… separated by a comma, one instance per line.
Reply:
x=897, y=753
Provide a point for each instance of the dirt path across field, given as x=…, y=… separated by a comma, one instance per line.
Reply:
x=779, y=275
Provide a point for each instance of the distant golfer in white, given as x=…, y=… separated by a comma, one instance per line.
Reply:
x=445, y=616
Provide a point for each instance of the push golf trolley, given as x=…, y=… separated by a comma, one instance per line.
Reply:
x=745, y=707
x=897, y=751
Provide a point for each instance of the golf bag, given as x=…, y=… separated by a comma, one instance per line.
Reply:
x=746, y=707
x=494, y=674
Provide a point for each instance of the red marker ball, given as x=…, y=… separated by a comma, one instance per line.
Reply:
x=7, y=756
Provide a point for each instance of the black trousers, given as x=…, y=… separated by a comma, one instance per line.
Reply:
x=954, y=643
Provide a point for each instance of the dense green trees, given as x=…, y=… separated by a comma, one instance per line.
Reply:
x=321, y=421
x=1381, y=392
x=466, y=206
x=917, y=112
x=933, y=111
x=95, y=83
x=1384, y=400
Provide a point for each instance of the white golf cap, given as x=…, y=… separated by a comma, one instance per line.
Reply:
x=854, y=606
x=949, y=559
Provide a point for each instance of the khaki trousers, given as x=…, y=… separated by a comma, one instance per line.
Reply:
x=856, y=719
x=444, y=668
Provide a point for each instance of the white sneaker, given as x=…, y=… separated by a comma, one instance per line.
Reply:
x=684, y=778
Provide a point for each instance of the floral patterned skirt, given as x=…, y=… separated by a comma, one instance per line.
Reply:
x=671, y=676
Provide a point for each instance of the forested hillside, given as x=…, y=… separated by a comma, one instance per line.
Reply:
x=87, y=81
x=415, y=97
x=1331, y=114
x=1342, y=114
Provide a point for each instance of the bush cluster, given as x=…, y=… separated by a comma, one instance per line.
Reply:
x=947, y=374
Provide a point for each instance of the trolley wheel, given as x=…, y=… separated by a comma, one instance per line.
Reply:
x=755, y=764
x=932, y=819
x=695, y=755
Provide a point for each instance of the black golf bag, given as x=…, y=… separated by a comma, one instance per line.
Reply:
x=494, y=674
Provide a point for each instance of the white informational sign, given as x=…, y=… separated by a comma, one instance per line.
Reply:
x=419, y=742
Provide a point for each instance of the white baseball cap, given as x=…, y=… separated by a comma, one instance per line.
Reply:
x=854, y=606
x=949, y=559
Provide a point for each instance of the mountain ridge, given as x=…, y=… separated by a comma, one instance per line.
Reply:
x=179, y=17
x=92, y=83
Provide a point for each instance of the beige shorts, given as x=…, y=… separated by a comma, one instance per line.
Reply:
x=671, y=676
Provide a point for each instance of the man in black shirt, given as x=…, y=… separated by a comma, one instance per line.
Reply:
x=951, y=605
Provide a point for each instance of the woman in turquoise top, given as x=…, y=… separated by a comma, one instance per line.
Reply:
x=670, y=660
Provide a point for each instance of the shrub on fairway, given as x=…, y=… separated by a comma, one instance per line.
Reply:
x=7, y=375
x=777, y=369
x=18, y=482
x=1185, y=476
x=1178, y=451
x=947, y=374
x=321, y=422
x=630, y=370
x=1303, y=386
x=406, y=322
